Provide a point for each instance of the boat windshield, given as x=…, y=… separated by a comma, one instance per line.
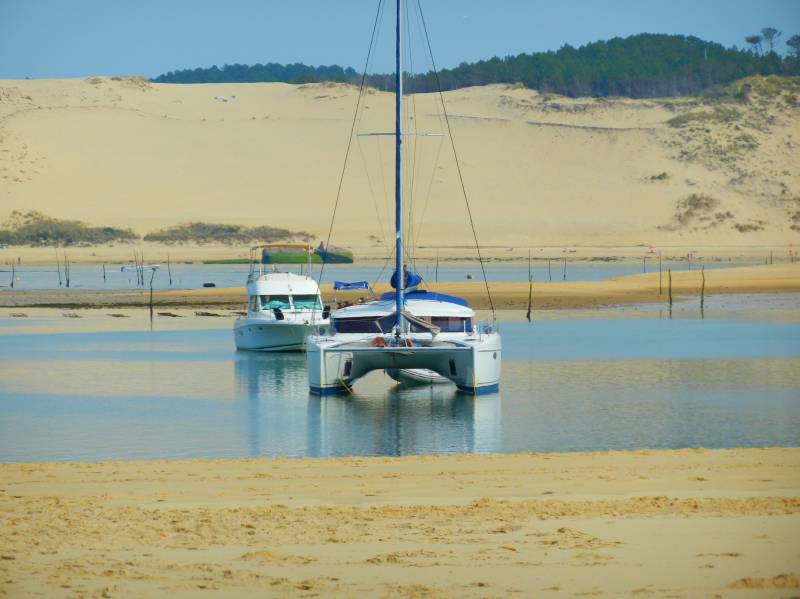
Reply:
x=446, y=324
x=306, y=302
x=270, y=302
x=369, y=324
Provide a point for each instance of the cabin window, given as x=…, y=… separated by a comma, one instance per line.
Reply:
x=306, y=302
x=270, y=302
x=452, y=324
x=368, y=324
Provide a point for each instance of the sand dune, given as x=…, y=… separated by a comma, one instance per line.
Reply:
x=539, y=169
x=659, y=523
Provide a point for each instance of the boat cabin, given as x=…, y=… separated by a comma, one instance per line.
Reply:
x=283, y=291
x=447, y=314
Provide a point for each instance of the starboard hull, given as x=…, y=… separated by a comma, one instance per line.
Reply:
x=271, y=337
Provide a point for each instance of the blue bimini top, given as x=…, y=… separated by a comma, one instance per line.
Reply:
x=421, y=294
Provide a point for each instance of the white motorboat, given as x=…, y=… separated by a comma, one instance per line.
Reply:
x=283, y=309
x=410, y=333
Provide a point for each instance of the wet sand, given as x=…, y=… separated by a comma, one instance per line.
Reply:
x=653, y=523
x=634, y=289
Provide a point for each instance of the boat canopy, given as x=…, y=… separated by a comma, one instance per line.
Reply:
x=282, y=283
x=344, y=286
x=421, y=294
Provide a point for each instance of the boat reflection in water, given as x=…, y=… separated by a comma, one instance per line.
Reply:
x=284, y=419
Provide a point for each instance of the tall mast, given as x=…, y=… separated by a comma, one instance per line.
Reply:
x=398, y=178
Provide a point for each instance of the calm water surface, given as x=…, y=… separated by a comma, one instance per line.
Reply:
x=193, y=276
x=593, y=383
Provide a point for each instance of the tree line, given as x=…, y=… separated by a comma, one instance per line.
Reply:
x=638, y=66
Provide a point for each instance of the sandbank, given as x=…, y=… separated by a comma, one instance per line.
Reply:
x=687, y=523
x=635, y=289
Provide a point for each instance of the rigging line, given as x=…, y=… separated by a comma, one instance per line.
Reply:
x=412, y=236
x=383, y=180
x=409, y=155
x=386, y=206
x=383, y=268
x=455, y=156
x=350, y=139
x=371, y=192
x=421, y=220
x=370, y=63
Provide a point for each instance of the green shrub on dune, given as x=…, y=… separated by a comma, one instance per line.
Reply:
x=35, y=228
x=221, y=233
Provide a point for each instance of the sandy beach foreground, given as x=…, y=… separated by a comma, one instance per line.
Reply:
x=650, y=523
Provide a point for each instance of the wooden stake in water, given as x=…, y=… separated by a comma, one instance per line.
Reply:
x=66, y=269
x=702, y=289
x=549, y=270
x=530, y=288
x=12, y=275
x=565, y=268
x=659, y=273
x=644, y=264
x=436, y=271
x=104, y=272
x=152, y=275
x=169, y=270
x=58, y=268
x=669, y=277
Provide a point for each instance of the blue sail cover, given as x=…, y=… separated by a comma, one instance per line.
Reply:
x=412, y=280
x=344, y=286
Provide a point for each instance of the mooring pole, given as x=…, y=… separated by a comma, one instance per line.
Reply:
x=669, y=275
x=530, y=288
x=702, y=289
x=152, y=276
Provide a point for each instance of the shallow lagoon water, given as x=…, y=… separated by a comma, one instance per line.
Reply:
x=608, y=380
x=193, y=276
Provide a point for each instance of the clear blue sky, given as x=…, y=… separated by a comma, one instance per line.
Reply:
x=77, y=38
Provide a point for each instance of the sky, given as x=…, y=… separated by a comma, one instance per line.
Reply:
x=79, y=38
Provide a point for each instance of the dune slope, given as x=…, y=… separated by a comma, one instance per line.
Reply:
x=538, y=168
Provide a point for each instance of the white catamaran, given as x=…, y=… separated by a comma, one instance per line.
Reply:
x=412, y=334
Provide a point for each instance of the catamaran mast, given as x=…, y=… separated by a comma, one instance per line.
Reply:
x=398, y=181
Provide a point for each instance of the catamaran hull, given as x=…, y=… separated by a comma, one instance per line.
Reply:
x=276, y=336
x=473, y=365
